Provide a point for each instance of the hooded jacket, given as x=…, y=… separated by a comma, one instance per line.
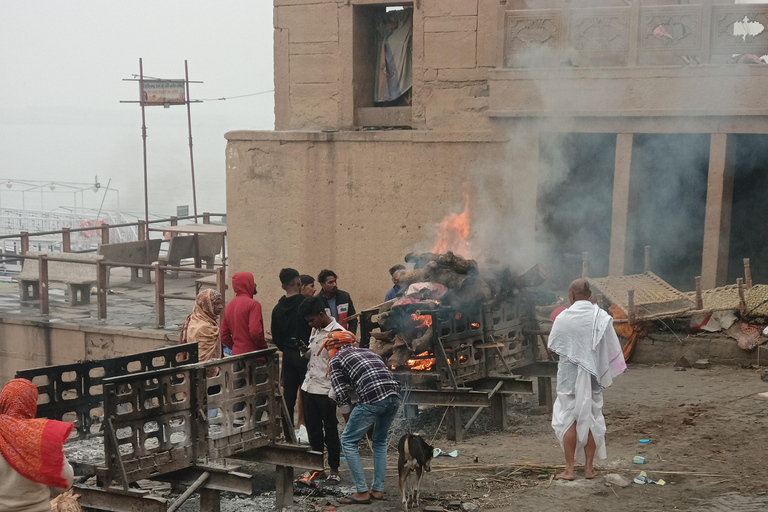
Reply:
x=289, y=329
x=242, y=328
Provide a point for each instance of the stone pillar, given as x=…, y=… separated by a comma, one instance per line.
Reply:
x=717, y=221
x=620, y=209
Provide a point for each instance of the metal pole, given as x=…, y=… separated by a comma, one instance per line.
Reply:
x=144, y=139
x=191, y=155
x=144, y=144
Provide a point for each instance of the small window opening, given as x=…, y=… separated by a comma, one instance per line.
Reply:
x=383, y=64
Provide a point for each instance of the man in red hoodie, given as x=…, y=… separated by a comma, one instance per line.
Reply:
x=242, y=328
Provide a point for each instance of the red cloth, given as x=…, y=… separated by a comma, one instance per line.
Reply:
x=242, y=328
x=557, y=311
x=32, y=447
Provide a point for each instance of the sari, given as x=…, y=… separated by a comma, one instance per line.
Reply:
x=33, y=447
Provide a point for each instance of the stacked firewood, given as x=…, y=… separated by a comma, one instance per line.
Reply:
x=439, y=280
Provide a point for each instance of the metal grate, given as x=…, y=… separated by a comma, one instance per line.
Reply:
x=74, y=392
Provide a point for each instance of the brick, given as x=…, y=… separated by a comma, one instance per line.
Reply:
x=430, y=75
x=463, y=75
x=314, y=69
x=451, y=24
x=488, y=36
x=449, y=49
x=313, y=48
x=314, y=106
x=450, y=7
x=315, y=23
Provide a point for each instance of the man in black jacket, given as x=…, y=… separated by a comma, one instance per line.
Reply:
x=337, y=303
x=290, y=332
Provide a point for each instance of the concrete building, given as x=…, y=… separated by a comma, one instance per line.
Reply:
x=583, y=125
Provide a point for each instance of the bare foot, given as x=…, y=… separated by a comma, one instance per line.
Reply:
x=590, y=473
x=377, y=495
x=566, y=475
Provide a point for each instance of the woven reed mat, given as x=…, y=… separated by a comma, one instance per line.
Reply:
x=654, y=297
x=757, y=300
x=724, y=298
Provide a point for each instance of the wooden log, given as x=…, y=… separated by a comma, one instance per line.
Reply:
x=449, y=259
x=699, y=296
x=423, y=343
x=647, y=259
x=747, y=274
x=383, y=348
x=400, y=356
x=382, y=336
x=631, y=306
x=742, y=298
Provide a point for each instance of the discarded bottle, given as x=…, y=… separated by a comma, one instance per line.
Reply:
x=638, y=459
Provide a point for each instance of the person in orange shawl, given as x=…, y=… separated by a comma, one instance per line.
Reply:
x=202, y=327
x=31, y=451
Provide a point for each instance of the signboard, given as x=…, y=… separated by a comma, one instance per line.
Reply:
x=163, y=92
x=182, y=211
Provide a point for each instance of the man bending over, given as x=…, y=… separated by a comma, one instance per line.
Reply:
x=590, y=357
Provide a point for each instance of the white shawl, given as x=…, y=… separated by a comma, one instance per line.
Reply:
x=584, y=336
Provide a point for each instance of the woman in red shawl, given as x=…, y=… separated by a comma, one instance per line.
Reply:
x=31, y=451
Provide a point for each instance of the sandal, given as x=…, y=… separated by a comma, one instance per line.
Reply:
x=353, y=501
x=333, y=479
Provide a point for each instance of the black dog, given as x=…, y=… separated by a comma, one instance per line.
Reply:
x=415, y=455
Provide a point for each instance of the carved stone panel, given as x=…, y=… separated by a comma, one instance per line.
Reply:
x=598, y=30
x=671, y=28
x=533, y=37
x=740, y=29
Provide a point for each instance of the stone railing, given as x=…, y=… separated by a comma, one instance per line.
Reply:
x=636, y=35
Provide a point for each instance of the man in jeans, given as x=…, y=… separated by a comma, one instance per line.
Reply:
x=364, y=371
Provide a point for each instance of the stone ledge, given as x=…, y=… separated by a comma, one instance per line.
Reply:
x=416, y=136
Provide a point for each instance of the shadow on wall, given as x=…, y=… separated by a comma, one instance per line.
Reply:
x=749, y=218
x=574, y=204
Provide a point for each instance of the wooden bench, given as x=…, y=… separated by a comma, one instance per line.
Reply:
x=132, y=252
x=78, y=277
x=183, y=247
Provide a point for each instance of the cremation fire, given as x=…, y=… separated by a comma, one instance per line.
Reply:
x=422, y=320
x=453, y=232
x=422, y=362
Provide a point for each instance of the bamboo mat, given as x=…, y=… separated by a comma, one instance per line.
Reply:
x=723, y=298
x=654, y=297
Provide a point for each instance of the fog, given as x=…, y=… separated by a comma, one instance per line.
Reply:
x=60, y=113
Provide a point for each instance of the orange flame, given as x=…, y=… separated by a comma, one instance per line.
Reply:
x=422, y=320
x=424, y=364
x=453, y=232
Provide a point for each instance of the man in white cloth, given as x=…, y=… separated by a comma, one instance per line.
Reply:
x=590, y=357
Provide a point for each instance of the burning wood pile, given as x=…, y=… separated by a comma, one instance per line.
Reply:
x=439, y=281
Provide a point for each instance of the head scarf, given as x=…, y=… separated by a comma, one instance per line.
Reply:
x=32, y=447
x=202, y=327
x=333, y=342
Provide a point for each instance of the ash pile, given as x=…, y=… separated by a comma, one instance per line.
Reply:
x=451, y=309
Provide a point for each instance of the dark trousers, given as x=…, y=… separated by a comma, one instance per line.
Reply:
x=294, y=369
x=320, y=416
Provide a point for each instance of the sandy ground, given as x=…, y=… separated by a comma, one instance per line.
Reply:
x=698, y=421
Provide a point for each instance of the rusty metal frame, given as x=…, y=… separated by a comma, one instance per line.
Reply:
x=149, y=410
x=87, y=382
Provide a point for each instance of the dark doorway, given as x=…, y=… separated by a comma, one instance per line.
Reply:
x=668, y=197
x=749, y=217
x=574, y=203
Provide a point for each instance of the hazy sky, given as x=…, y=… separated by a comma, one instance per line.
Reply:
x=61, y=70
